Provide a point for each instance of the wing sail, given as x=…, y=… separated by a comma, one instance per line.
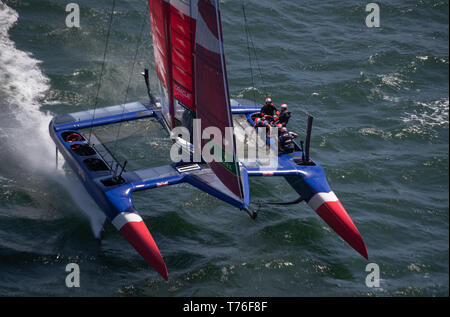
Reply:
x=190, y=64
x=173, y=31
x=212, y=97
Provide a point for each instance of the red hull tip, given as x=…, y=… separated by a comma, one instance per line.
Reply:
x=134, y=230
x=140, y=238
x=363, y=251
x=335, y=215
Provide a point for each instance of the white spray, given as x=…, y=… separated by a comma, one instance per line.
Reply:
x=24, y=85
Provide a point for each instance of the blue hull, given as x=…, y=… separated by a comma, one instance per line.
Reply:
x=97, y=169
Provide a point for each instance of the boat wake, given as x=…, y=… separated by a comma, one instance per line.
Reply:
x=24, y=136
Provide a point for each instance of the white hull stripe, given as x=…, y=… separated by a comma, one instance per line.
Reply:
x=320, y=198
x=124, y=218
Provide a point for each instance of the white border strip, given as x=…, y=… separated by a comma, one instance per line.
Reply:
x=123, y=218
x=320, y=198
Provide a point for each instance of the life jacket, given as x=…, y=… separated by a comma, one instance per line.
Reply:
x=268, y=110
x=286, y=142
x=284, y=117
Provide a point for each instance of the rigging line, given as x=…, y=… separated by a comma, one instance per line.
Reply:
x=103, y=67
x=143, y=24
x=249, y=52
x=258, y=64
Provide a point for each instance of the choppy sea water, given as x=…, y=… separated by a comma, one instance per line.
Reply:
x=380, y=101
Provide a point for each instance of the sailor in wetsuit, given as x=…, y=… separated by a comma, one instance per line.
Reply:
x=269, y=109
x=286, y=141
x=284, y=116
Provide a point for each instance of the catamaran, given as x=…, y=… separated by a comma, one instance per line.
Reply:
x=192, y=79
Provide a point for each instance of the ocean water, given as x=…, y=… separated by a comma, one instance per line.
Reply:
x=381, y=105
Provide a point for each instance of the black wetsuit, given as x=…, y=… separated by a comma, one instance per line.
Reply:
x=286, y=143
x=268, y=110
x=284, y=117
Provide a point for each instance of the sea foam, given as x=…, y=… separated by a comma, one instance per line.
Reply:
x=23, y=86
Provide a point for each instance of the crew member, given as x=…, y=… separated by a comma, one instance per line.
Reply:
x=286, y=141
x=262, y=123
x=269, y=109
x=279, y=127
x=284, y=116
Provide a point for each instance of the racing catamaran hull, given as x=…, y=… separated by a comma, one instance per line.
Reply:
x=96, y=168
x=192, y=77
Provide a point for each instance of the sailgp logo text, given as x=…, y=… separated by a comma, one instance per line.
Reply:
x=182, y=91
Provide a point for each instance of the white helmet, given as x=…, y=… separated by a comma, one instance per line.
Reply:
x=284, y=106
